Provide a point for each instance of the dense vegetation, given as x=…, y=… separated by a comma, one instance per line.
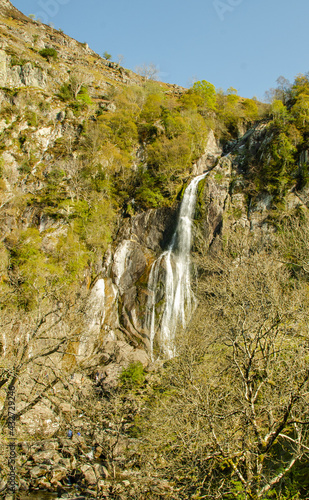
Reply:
x=279, y=165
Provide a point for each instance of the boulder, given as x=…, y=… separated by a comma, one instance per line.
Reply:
x=26, y=75
x=89, y=474
x=46, y=457
x=39, y=422
x=43, y=484
x=139, y=356
x=38, y=471
x=58, y=474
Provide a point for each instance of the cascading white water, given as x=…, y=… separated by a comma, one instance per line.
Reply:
x=95, y=316
x=179, y=299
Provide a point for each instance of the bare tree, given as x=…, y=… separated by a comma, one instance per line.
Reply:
x=79, y=79
x=148, y=71
x=35, y=344
x=120, y=58
x=233, y=414
x=282, y=92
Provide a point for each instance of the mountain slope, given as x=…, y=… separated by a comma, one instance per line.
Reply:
x=8, y=10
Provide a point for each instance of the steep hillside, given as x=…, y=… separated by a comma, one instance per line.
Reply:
x=125, y=385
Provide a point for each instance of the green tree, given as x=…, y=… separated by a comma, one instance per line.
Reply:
x=107, y=56
x=300, y=111
x=279, y=111
x=250, y=109
x=207, y=92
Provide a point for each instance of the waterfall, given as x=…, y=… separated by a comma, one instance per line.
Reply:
x=179, y=298
x=95, y=316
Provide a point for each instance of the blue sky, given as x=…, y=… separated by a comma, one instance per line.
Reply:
x=245, y=44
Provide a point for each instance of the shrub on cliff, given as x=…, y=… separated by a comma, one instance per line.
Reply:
x=133, y=375
x=49, y=54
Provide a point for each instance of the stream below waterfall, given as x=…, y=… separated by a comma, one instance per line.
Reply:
x=178, y=296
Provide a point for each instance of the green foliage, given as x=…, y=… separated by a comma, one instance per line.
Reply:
x=275, y=167
x=170, y=157
x=148, y=194
x=38, y=271
x=300, y=111
x=30, y=267
x=133, y=376
x=65, y=92
x=49, y=54
x=174, y=124
x=107, y=56
x=279, y=111
x=32, y=118
x=152, y=108
x=300, y=86
x=72, y=253
x=123, y=130
x=100, y=225
x=191, y=101
x=207, y=92
x=92, y=222
x=278, y=170
x=250, y=109
x=52, y=193
x=173, y=136
x=16, y=61
x=84, y=97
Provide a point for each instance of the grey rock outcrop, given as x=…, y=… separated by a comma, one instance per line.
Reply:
x=210, y=157
x=129, y=264
x=20, y=75
x=215, y=197
x=151, y=229
x=25, y=75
